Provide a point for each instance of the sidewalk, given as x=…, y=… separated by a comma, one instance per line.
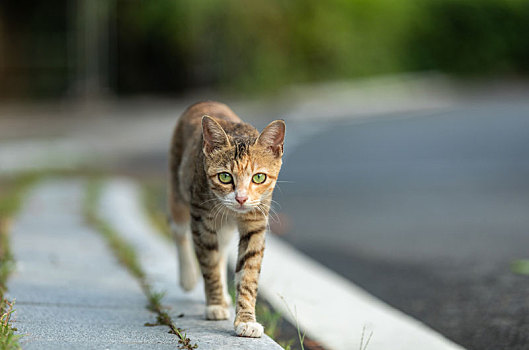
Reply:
x=71, y=293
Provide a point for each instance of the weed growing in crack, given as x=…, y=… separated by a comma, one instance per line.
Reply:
x=128, y=257
x=8, y=338
x=294, y=316
x=12, y=191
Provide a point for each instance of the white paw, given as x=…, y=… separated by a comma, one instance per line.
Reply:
x=217, y=312
x=249, y=329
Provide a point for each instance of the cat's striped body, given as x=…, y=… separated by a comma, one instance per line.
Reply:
x=217, y=166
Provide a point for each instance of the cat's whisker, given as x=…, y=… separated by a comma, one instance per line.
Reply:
x=271, y=204
x=208, y=200
x=275, y=214
x=272, y=212
x=218, y=216
x=218, y=208
x=266, y=219
x=273, y=209
x=262, y=212
x=214, y=211
x=276, y=203
x=275, y=217
x=224, y=215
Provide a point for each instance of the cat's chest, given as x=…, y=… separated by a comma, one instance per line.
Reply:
x=225, y=226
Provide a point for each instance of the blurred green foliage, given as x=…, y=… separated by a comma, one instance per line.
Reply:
x=471, y=37
x=260, y=45
x=255, y=46
x=166, y=46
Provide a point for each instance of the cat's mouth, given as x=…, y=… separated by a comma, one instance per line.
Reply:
x=240, y=208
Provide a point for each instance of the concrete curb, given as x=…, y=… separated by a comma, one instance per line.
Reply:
x=121, y=208
x=334, y=311
x=329, y=308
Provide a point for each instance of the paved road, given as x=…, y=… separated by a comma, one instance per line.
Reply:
x=425, y=212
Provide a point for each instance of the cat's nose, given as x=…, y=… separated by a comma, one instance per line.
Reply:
x=241, y=199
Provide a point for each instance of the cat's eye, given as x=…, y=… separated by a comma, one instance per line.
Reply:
x=259, y=178
x=225, y=178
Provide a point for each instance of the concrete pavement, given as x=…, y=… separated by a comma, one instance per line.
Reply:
x=71, y=293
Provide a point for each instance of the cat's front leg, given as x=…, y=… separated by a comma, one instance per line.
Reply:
x=251, y=249
x=207, y=250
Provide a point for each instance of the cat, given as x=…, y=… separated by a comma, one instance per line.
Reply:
x=222, y=176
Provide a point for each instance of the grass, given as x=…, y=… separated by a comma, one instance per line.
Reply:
x=123, y=251
x=362, y=345
x=520, y=267
x=272, y=322
x=12, y=191
x=294, y=315
x=128, y=258
x=8, y=338
x=154, y=197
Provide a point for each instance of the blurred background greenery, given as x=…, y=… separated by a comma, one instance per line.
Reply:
x=63, y=48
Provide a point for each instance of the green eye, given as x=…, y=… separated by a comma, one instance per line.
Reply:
x=259, y=178
x=225, y=178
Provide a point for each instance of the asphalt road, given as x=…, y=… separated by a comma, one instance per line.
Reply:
x=426, y=212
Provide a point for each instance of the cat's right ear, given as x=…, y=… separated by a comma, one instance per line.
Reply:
x=214, y=134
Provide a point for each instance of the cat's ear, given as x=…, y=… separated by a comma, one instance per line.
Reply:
x=273, y=137
x=214, y=134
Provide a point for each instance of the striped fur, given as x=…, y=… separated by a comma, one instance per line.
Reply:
x=210, y=139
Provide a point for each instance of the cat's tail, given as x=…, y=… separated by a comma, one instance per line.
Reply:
x=189, y=272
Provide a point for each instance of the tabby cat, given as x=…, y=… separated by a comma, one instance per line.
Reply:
x=222, y=175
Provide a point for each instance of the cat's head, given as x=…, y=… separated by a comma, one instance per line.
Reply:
x=241, y=165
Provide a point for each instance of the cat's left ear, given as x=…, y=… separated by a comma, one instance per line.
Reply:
x=273, y=137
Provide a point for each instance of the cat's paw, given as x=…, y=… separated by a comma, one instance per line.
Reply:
x=249, y=329
x=217, y=312
x=188, y=279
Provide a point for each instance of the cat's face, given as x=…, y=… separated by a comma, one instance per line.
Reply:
x=242, y=171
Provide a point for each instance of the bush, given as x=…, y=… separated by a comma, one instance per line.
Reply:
x=165, y=46
x=471, y=36
x=260, y=45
